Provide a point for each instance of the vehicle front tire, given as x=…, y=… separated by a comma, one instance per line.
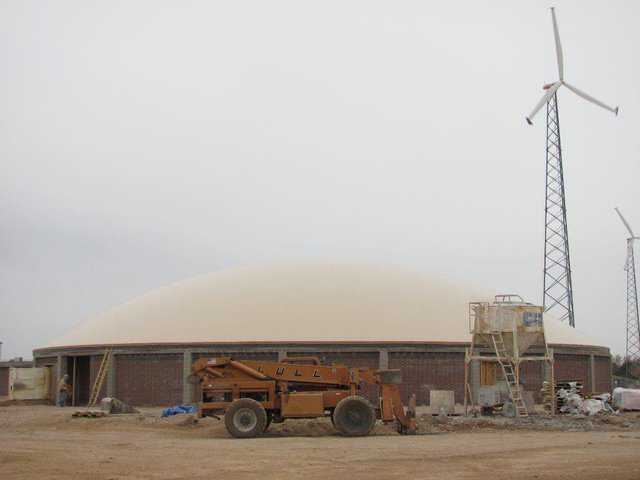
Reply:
x=354, y=416
x=245, y=418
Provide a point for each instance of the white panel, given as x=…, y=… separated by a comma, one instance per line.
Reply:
x=28, y=383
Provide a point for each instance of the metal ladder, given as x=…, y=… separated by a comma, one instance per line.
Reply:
x=509, y=375
x=102, y=374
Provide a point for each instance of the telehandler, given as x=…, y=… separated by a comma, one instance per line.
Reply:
x=251, y=394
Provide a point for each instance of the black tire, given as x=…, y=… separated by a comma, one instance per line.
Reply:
x=245, y=418
x=354, y=416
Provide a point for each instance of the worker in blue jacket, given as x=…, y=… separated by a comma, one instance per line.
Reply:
x=63, y=390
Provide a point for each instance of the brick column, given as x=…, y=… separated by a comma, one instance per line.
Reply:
x=610, y=374
x=383, y=362
x=187, y=386
x=592, y=373
x=60, y=370
x=474, y=379
x=111, y=376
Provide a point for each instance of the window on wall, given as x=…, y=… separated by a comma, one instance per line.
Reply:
x=487, y=373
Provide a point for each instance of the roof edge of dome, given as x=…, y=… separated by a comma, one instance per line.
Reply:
x=320, y=343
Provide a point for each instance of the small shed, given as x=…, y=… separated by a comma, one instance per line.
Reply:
x=5, y=374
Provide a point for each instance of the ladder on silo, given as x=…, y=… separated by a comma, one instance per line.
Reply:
x=102, y=375
x=515, y=393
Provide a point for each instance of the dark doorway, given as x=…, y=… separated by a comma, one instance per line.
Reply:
x=79, y=372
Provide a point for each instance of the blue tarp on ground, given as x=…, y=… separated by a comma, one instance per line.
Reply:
x=167, y=412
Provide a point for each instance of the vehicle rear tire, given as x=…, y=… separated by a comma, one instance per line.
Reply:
x=245, y=418
x=354, y=416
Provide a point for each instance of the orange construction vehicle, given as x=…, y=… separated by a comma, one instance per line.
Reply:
x=251, y=394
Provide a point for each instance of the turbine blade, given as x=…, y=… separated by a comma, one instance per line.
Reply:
x=626, y=224
x=545, y=98
x=556, y=35
x=588, y=97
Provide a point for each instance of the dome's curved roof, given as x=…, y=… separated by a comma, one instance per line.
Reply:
x=296, y=303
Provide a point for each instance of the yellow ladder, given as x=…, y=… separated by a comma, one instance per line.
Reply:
x=509, y=375
x=102, y=374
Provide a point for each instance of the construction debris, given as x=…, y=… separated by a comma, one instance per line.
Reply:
x=570, y=400
x=593, y=406
x=548, y=394
x=626, y=398
x=89, y=414
x=569, y=397
x=442, y=402
x=178, y=409
x=113, y=405
x=182, y=420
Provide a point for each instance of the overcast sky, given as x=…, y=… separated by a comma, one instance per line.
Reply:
x=145, y=142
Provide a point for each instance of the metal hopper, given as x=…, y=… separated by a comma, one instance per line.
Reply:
x=520, y=323
x=503, y=331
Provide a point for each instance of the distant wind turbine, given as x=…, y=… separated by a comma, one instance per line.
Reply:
x=632, y=352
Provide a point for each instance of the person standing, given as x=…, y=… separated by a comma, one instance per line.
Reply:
x=63, y=390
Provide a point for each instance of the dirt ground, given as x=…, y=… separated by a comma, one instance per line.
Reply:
x=46, y=442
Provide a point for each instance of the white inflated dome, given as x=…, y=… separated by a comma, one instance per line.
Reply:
x=297, y=303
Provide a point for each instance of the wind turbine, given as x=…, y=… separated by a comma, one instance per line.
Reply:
x=557, y=287
x=633, y=318
x=552, y=88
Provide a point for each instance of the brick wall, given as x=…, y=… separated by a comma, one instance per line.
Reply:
x=532, y=376
x=603, y=374
x=266, y=356
x=4, y=381
x=149, y=379
x=94, y=367
x=156, y=379
x=573, y=367
x=53, y=379
x=423, y=372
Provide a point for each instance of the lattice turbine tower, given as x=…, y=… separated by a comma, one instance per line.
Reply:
x=557, y=286
x=632, y=352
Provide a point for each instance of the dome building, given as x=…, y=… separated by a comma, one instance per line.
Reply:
x=363, y=316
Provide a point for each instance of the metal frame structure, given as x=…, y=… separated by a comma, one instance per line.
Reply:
x=633, y=318
x=557, y=286
x=632, y=352
x=494, y=352
x=557, y=290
